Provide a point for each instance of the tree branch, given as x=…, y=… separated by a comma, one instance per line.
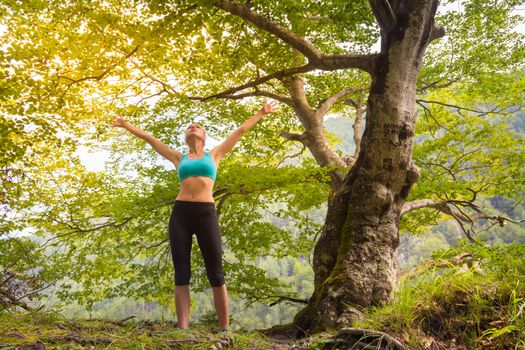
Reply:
x=314, y=56
x=421, y=203
x=101, y=75
x=454, y=209
x=297, y=154
x=482, y=113
x=257, y=92
x=427, y=111
x=281, y=298
x=437, y=32
x=329, y=102
x=74, y=228
x=277, y=75
x=438, y=84
x=289, y=37
x=316, y=59
x=335, y=62
x=292, y=136
x=384, y=14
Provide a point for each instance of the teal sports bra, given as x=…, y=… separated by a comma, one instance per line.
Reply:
x=203, y=166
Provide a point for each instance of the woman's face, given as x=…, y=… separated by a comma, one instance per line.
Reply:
x=197, y=130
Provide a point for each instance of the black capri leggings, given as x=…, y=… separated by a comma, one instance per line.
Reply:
x=200, y=218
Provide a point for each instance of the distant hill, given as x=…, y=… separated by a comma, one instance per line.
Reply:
x=341, y=126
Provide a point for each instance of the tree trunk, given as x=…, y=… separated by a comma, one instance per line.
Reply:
x=354, y=260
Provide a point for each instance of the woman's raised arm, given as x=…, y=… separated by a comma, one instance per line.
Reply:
x=168, y=153
x=221, y=150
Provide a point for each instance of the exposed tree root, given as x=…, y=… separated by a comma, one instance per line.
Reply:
x=36, y=346
x=361, y=338
x=12, y=335
x=77, y=338
x=345, y=338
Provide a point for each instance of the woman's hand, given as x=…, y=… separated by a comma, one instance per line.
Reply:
x=119, y=122
x=268, y=107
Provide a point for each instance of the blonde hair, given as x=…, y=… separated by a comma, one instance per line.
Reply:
x=204, y=130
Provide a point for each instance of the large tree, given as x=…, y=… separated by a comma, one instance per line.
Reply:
x=162, y=63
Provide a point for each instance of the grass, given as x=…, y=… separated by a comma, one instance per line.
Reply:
x=481, y=307
x=54, y=331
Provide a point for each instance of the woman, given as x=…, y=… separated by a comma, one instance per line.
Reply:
x=194, y=211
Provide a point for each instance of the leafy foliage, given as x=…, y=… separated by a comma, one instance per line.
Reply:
x=69, y=67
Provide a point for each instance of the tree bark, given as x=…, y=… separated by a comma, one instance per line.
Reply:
x=354, y=259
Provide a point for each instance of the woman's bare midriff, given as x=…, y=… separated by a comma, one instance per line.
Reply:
x=196, y=189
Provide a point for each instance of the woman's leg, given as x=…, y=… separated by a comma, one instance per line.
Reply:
x=209, y=239
x=220, y=300
x=182, y=304
x=180, y=241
